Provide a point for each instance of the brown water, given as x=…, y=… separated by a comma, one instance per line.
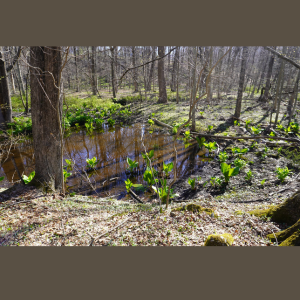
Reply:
x=111, y=147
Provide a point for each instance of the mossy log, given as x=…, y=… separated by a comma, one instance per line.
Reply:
x=225, y=239
x=286, y=212
x=288, y=237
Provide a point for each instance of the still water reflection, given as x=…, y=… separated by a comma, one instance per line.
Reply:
x=111, y=146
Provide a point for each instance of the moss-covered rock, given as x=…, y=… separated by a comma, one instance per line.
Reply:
x=286, y=212
x=194, y=207
x=225, y=239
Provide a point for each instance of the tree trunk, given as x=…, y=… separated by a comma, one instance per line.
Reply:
x=5, y=100
x=134, y=70
x=46, y=109
x=151, y=70
x=161, y=77
x=175, y=67
x=112, y=64
x=265, y=97
x=76, y=70
x=294, y=97
x=286, y=212
x=94, y=75
x=241, y=84
x=194, y=83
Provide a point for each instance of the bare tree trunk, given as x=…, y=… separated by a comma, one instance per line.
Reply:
x=76, y=70
x=265, y=97
x=175, y=68
x=194, y=90
x=151, y=70
x=112, y=62
x=136, y=89
x=161, y=77
x=278, y=100
x=241, y=83
x=46, y=108
x=5, y=100
x=295, y=96
x=94, y=75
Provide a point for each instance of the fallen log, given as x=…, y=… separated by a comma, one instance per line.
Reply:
x=254, y=137
x=135, y=196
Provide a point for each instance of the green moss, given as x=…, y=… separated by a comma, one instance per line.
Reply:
x=284, y=234
x=288, y=211
x=238, y=212
x=194, y=207
x=225, y=239
x=293, y=240
x=262, y=212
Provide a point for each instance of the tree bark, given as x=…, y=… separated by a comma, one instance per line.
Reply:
x=161, y=77
x=5, y=100
x=241, y=83
x=134, y=70
x=265, y=97
x=46, y=108
x=94, y=75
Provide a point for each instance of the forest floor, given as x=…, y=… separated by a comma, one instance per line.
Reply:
x=29, y=217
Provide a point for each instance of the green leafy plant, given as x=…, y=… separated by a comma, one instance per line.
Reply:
x=236, y=123
x=150, y=122
x=215, y=181
x=256, y=130
x=240, y=163
x=149, y=177
x=210, y=146
x=239, y=152
x=192, y=182
x=249, y=175
x=99, y=122
x=29, y=178
x=210, y=127
x=254, y=144
x=279, y=127
x=132, y=164
x=282, y=173
x=223, y=156
x=147, y=156
x=263, y=182
x=168, y=168
x=229, y=172
x=66, y=175
x=92, y=162
x=128, y=184
x=200, y=141
x=201, y=113
x=247, y=123
x=1, y=178
x=294, y=127
x=279, y=150
x=163, y=191
x=111, y=122
x=266, y=149
x=69, y=164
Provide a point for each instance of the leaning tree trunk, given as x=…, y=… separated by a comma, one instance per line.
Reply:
x=286, y=212
x=161, y=77
x=241, y=84
x=5, y=101
x=46, y=109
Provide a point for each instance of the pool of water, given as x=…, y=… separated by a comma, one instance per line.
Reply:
x=111, y=146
